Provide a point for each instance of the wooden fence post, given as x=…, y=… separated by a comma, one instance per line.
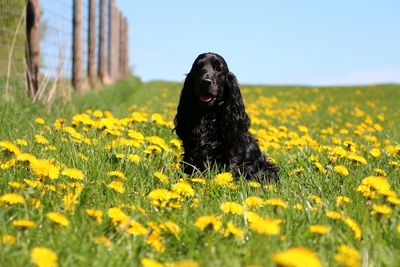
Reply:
x=77, y=46
x=92, y=44
x=102, y=44
x=126, y=63
x=117, y=44
x=111, y=37
x=33, y=46
x=121, y=45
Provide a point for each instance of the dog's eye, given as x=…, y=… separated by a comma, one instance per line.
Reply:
x=218, y=68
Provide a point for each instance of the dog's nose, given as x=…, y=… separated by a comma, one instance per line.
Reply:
x=206, y=82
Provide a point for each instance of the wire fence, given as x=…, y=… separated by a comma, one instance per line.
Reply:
x=76, y=43
x=12, y=44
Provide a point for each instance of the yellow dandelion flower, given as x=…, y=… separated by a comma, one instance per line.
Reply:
x=319, y=229
x=341, y=200
x=254, y=184
x=316, y=199
x=380, y=172
x=146, y=262
x=103, y=240
x=9, y=147
x=58, y=124
x=298, y=206
x=375, y=152
x=117, y=186
x=334, y=215
x=171, y=227
x=354, y=227
x=118, y=174
x=380, y=184
x=357, y=158
x=266, y=226
x=153, y=150
x=350, y=145
x=195, y=203
x=133, y=158
x=58, y=218
x=394, y=200
x=198, y=180
x=233, y=230
x=297, y=257
x=135, y=228
x=73, y=173
x=319, y=167
x=162, y=177
x=270, y=188
x=158, y=119
x=118, y=216
x=183, y=263
x=49, y=148
x=162, y=197
x=97, y=114
x=8, y=165
x=22, y=142
x=16, y=185
x=339, y=151
x=176, y=143
x=24, y=224
x=35, y=202
x=8, y=239
x=39, y=121
x=302, y=128
x=208, y=221
x=231, y=207
x=348, y=256
x=138, y=136
x=394, y=163
x=44, y=257
x=223, y=179
x=155, y=241
x=276, y=202
x=184, y=189
x=254, y=202
x=32, y=183
x=398, y=228
x=120, y=156
x=96, y=214
x=44, y=168
x=252, y=216
x=342, y=170
x=12, y=198
x=383, y=210
x=40, y=139
x=296, y=171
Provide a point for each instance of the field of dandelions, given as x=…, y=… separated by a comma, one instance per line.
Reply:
x=97, y=182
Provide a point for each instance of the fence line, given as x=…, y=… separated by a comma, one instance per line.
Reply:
x=80, y=42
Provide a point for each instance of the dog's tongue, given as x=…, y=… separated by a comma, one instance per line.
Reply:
x=205, y=98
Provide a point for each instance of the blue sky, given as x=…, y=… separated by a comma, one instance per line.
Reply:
x=268, y=42
x=264, y=42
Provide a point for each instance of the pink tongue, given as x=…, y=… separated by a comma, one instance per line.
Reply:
x=205, y=98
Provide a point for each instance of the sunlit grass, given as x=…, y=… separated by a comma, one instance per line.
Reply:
x=98, y=182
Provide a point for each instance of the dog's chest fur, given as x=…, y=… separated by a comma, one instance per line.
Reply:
x=209, y=140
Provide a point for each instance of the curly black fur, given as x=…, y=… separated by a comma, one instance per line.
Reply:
x=213, y=125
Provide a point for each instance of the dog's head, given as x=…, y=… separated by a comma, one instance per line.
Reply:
x=208, y=78
x=210, y=87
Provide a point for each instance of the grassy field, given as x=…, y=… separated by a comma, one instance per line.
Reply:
x=97, y=182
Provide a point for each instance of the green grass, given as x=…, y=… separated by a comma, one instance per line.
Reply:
x=368, y=116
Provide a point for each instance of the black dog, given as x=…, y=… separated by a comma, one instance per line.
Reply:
x=212, y=123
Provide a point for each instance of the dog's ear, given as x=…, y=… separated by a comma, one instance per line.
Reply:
x=185, y=109
x=236, y=113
